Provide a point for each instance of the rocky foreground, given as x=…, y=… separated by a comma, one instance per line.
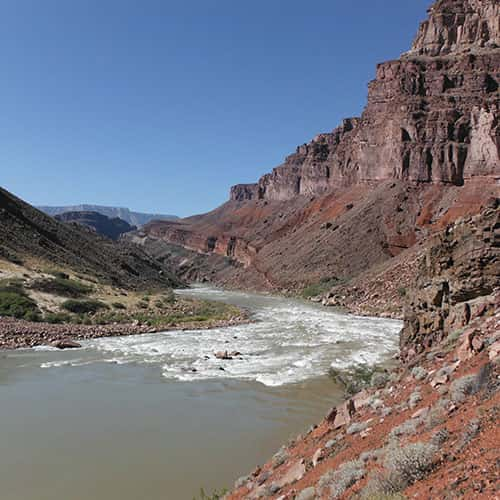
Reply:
x=428, y=429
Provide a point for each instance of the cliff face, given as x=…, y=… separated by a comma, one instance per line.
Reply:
x=432, y=115
x=456, y=282
x=425, y=152
x=455, y=26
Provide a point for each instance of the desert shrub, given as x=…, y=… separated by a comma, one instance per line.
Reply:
x=59, y=274
x=470, y=432
x=353, y=379
x=407, y=428
x=62, y=286
x=379, y=379
x=169, y=296
x=419, y=373
x=57, y=318
x=463, y=387
x=402, y=291
x=279, y=458
x=119, y=305
x=440, y=437
x=357, y=427
x=18, y=304
x=436, y=416
x=83, y=306
x=10, y=256
x=216, y=495
x=409, y=463
x=339, y=480
x=321, y=287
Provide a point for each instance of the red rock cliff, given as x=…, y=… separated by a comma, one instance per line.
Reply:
x=432, y=115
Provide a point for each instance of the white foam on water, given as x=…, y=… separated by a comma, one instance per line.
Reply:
x=289, y=342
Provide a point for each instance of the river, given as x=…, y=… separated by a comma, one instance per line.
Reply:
x=157, y=416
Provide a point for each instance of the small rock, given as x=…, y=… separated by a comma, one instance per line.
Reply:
x=317, y=457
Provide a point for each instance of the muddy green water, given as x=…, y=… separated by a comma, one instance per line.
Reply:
x=149, y=417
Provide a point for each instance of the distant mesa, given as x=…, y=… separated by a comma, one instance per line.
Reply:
x=110, y=227
x=133, y=218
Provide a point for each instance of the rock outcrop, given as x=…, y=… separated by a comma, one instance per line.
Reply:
x=425, y=152
x=432, y=115
x=105, y=226
x=458, y=280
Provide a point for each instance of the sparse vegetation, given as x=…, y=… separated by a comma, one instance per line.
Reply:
x=63, y=286
x=57, y=318
x=463, y=387
x=403, y=466
x=353, y=379
x=338, y=481
x=216, y=495
x=379, y=379
x=83, y=306
x=323, y=286
x=119, y=305
x=14, y=302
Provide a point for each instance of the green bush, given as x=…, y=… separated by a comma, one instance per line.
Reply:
x=83, y=306
x=323, y=286
x=17, y=304
x=119, y=305
x=57, y=318
x=62, y=286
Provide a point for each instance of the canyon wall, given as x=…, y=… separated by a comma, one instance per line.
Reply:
x=432, y=115
x=425, y=152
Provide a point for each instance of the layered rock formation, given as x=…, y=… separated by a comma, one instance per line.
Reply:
x=432, y=115
x=424, y=152
x=458, y=280
x=133, y=218
x=105, y=226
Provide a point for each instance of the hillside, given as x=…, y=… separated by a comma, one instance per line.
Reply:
x=133, y=218
x=112, y=228
x=428, y=429
x=30, y=237
x=424, y=152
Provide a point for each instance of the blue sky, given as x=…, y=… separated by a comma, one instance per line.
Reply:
x=162, y=105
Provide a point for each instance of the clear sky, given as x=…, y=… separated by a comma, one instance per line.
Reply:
x=162, y=105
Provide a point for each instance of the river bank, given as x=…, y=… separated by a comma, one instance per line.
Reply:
x=153, y=415
x=19, y=334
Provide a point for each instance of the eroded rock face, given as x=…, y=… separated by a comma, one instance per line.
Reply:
x=458, y=280
x=458, y=26
x=432, y=115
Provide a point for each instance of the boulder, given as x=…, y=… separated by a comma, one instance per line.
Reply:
x=66, y=344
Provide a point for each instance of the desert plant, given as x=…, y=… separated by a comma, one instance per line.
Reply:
x=57, y=318
x=463, y=387
x=83, y=306
x=409, y=463
x=62, y=286
x=119, y=305
x=379, y=379
x=18, y=304
x=339, y=480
